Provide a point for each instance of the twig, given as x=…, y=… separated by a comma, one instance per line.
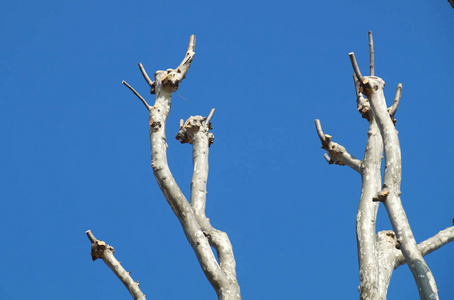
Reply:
x=371, y=50
x=100, y=249
x=147, y=78
x=208, y=119
x=392, y=110
x=138, y=95
x=356, y=68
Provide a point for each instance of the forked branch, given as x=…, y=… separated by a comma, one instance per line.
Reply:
x=373, y=89
x=200, y=234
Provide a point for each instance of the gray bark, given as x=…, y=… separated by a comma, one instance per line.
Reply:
x=196, y=226
x=391, y=190
x=380, y=253
x=100, y=249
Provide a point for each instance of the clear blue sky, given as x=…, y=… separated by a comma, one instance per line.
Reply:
x=75, y=153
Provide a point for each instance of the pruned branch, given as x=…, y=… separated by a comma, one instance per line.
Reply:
x=100, y=249
x=186, y=63
x=337, y=153
x=197, y=228
x=392, y=110
x=208, y=119
x=391, y=183
x=196, y=132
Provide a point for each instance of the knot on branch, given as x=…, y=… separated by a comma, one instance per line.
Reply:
x=168, y=80
x=191, y=127
x=381, y=196
x=334, y=150
x=98, y=248
x=155, y=125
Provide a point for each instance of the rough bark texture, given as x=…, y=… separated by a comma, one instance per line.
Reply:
x=380, y=253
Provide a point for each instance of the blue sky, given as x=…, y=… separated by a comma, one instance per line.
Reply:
x=76, y=149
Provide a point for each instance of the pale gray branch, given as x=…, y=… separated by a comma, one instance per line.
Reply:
x=391, y=188
x=356, y=68
x=186, y=63
x=361, y=102
x=431, y=244
x=138, y=95
x=371, y=51
x=147, y=79
x=392, y=110
x=100, y=249
x=197, y=133
x=192, y=217
x=208, y=119
x=338, y=154
x=369, y=266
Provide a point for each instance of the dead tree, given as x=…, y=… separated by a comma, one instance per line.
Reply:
x=220, y=272
x=380, y=253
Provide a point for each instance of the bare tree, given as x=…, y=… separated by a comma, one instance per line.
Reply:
x=220, y=272
x=380, y=253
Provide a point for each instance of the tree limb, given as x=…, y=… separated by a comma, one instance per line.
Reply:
x=361, y=102
x=100, y=249
x=392, y=110
x=138, y=95
x=338, y=154
x=391, y=184
x=196, y=132
x=147, y=79
x=371, y=51
x=431, y=244
x=192, y=217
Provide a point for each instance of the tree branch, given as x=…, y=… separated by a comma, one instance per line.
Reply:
x=356, y=68
x=391, y=184
x=361, y=103
x=431, y=244
x=371, y=51
x=100, y=249
x=196, y=132
x=369, y=266
x=147, y=79
x=338, y=154
x=138, y=95
x=197, y=229
x=392, y=110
